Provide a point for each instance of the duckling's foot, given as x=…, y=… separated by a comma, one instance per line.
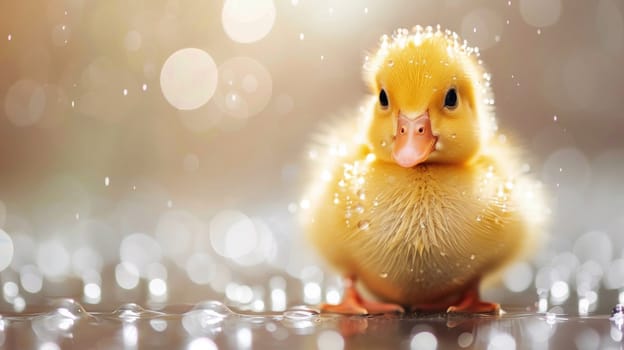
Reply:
x=353, y=303
x=472, y=303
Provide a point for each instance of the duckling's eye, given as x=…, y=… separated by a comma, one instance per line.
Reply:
x=383, y=99
x=450, y=100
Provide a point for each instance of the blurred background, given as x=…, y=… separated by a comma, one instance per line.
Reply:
x=152, y=150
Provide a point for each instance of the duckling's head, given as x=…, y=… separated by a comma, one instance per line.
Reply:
x=432, y=99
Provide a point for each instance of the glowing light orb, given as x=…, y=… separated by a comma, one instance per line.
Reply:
x=247, y=21
x=188, y=78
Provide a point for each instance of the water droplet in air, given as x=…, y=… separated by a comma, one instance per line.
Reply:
x=554, y=118
x=359, y=208
x=361, y=194
x=539, y=31
x=390, y=63
x=106, y=181
x=383, y=275
x=363, y=225
x=383, y=143
x=301, y=36
x=125, y=92
x=479, y=218
x=453, y=135
x=472, y=257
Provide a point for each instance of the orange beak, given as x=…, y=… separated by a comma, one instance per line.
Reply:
x=413, y=141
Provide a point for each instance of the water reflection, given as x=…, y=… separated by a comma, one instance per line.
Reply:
x=211, y=324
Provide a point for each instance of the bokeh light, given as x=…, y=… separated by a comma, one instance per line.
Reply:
x=246, y=21
x=24, y=103
x=188, y=78
x=6, y=250
x=245, y=87
x=540, y=13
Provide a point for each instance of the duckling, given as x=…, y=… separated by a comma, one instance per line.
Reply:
x=419, y=197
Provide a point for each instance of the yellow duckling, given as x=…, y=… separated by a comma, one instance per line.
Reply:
x=419, y=198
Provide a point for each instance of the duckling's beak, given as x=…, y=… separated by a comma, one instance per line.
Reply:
x=414, y=140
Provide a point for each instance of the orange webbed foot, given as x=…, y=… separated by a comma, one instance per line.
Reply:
x=480, y=307
x=472, y=303
x=353, y=304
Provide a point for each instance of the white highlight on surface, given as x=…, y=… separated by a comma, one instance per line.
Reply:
x=540, y=13
x=465, y=339
x=424, y=341
x=130, y=335
x=49, y=346
x=243, y=338
x=6, y=250
x=188, y=78
x=202, y=344
x=159, y=325
x=502, y=341
x=247, y=21
x=330, y=340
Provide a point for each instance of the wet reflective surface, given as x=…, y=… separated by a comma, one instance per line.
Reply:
x=210, y=325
